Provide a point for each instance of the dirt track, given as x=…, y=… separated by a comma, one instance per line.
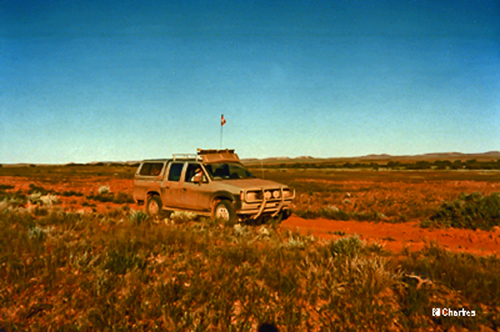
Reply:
x=395, y=237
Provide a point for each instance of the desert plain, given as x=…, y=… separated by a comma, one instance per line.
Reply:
x=78, y=254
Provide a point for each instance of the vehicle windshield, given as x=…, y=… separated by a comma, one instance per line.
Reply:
x=219, y=171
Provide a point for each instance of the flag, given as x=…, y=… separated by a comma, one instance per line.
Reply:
x=222, y=120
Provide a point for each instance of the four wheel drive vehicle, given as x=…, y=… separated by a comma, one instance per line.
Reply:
x=213, y=183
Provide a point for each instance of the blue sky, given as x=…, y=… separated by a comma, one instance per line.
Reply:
x=82, y=81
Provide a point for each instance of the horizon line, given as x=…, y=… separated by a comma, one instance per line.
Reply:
x=495, y=153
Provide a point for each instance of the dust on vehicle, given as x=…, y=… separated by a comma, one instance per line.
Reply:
x=212, y=183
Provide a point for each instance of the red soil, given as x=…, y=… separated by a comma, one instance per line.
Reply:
x=394, y=236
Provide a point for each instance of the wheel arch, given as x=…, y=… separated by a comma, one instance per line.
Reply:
x=221, y=196
x=150, y=194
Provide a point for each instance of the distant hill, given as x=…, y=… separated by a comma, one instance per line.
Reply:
x=378, y=159
x=491, y=156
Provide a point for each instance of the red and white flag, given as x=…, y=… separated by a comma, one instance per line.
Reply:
x=222, y=120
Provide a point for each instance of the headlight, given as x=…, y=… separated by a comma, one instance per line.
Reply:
x=276, y=194
x=253, y=196
x=267, y=195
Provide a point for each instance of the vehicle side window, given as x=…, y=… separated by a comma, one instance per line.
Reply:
x=151, y=169
x=175, y=171
x=192, y=170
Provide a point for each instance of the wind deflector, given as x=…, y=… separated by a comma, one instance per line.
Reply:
x=217, y=156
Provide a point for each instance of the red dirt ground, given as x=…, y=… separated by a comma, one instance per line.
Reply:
x=393, y=236
x=396, y=237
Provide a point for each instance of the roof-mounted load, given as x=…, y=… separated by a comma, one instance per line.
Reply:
x=216, y=156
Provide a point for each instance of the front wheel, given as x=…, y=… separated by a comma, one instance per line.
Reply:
x=224, y=212
x=153, y=207
x=283, y=215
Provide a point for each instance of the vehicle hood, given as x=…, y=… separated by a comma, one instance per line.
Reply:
x=250, y=183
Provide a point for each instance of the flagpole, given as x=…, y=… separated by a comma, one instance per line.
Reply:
x=222, y=123
x=221, y=128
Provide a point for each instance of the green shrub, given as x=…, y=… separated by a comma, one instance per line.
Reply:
x=477, y=278
x=471, y=211
x=109, y=197
x=123, y=198
x=138, y=217
x=346, y=246
x=15, y=199
x=89, y=204
x=120, y=261
x=71, y=193
x=334, y=213
x=183, y=216
x=39, y=189
x=6, y=187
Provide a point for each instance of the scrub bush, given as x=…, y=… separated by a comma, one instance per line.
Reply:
x=471, y=211
x=88, y=271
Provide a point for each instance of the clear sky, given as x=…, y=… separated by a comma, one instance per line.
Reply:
x=101, y=80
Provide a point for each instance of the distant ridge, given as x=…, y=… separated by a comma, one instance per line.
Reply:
x=384, y=157
x=430, y=157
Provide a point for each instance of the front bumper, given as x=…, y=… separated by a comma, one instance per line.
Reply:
x=255, y=209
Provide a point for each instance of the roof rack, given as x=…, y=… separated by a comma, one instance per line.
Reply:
x=208, y=156
x=185, y=156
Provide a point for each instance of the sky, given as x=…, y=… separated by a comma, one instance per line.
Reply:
x=101, y=80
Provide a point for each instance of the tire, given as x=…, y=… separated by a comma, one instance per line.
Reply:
x=283, y=215
x=224, y=212
x=153, y=207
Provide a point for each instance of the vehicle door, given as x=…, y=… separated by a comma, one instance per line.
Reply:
x=148, y=178
x=172, y=186
x=196, y=195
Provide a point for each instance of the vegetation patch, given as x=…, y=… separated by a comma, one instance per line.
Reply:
x=475, y=281
x=471, y=164
x=33, y=188
x=334, y=213
x=109, y=197
x=471, y=211
x=12, y=199
x=4, y=187
x=121, y=271
x=70, y=193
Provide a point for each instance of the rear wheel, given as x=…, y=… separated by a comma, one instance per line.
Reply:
x=224, y=212
x=153, y=207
